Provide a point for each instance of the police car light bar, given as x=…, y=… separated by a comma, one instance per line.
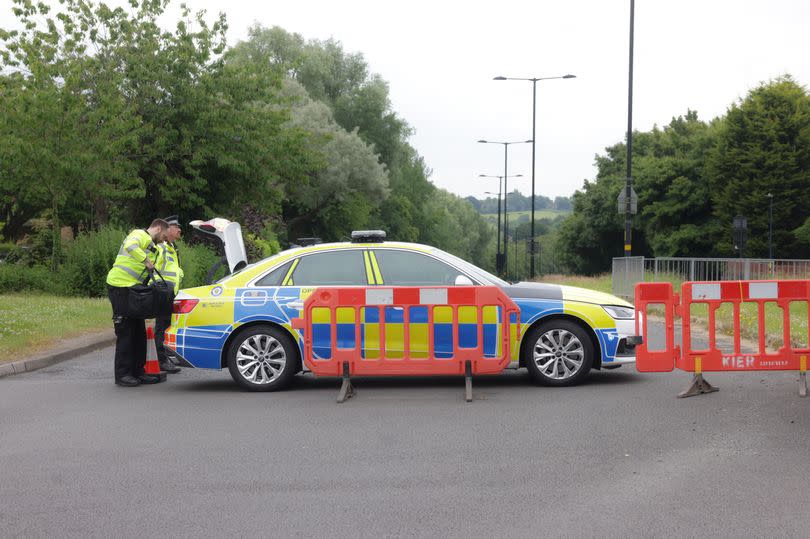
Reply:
x=368, y=236
x=304, y=242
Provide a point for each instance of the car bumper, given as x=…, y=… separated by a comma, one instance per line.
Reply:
x=628, y=340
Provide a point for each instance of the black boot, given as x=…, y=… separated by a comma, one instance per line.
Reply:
x=128, y=381
x=167, y=366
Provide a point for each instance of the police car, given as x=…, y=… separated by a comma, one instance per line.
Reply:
x=244, y=321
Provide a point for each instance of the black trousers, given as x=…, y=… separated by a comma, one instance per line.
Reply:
x=130, y=333
x=162, y=323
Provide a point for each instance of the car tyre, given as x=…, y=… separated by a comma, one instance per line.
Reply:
x=558, y=353
x=263, y=358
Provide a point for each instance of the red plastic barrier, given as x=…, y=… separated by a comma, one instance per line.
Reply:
x=405, y=362
x=656, y=294
x=714, y=294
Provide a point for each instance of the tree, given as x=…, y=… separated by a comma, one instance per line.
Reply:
x=763, y=147
x=358, y=100
x=342, y=196
x=675, y=209
x=65, y=131
x=135, y=121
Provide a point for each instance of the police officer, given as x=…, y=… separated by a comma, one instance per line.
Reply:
x=135, y=258
x=168, y=264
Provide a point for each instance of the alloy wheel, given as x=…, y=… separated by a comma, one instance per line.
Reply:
x=558, y=354
x=261, y=359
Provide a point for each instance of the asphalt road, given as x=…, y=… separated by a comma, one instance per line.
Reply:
x=617, y=456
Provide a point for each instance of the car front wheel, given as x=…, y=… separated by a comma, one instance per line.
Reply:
x=558, y=353
x=263, y=358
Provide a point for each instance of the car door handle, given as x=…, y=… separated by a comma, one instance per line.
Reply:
x=297, y=305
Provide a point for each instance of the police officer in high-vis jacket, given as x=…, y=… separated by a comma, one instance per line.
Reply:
x=168, y=264
x=135, y=259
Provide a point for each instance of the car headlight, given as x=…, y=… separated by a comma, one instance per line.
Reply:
x=620, y=313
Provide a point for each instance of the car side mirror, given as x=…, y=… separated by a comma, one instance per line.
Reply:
x=463, y=280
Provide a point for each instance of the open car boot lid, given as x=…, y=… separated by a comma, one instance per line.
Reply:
x=229, y=234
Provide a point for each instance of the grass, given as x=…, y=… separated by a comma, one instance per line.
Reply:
x=31, y=322
x=749, y=316
x=749, y=330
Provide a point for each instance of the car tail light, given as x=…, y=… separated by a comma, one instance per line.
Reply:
x=183, y=306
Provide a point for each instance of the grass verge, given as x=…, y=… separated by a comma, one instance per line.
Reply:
x=749, y=330
x=31, y=322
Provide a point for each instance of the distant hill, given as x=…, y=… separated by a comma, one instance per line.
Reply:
x=520, y=216
x=519, y=203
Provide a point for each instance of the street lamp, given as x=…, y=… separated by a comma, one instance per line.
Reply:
x=498, y=260
x=505, y=188
x=770, y=226
x=534, y=136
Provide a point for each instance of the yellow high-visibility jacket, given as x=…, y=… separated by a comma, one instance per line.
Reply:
x=129, y=268
x=168, y=264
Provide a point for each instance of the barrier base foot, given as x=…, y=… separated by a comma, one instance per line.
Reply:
x=468, y=381
x=803, y=384
x=697, y=387
x=346, y=388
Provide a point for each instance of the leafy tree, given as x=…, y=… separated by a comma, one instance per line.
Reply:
x=562, y=203
x=65, y=130
x=673, y=198
x=589, y=238
x=763, y=147
x=342, y=196
x=341, y=80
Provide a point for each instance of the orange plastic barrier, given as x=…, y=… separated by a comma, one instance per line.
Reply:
x=452, y=359
x=712, y=358
x=656, y=294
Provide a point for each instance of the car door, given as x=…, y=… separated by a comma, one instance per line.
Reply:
x=401, y=267
x=295, y=280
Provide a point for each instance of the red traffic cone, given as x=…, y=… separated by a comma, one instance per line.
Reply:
x=152, y=366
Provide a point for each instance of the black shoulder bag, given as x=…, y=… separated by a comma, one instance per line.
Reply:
x=150, y=299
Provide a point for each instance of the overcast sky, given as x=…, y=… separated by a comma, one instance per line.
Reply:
x=439, y=58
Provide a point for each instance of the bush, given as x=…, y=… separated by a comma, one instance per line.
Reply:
x=195, y=261
x=38, y=248
x=20, y=278
x=5, y=249
x=88, y=259
x=258, y=248
x=91, y=255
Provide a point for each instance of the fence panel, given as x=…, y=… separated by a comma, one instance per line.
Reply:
x=627, y=271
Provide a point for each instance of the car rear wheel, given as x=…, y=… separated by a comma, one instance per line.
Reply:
x=263, y=358
x=558, y=353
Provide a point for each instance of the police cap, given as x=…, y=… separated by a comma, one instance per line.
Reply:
x=172, y=220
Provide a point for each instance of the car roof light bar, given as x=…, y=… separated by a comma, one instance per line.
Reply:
x=368, y=236
x=304, y=242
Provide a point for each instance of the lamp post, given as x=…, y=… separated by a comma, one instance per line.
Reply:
x=628, y=183
x=534, y=137
x=505, y=188
x=498, y=260
x=770, y=226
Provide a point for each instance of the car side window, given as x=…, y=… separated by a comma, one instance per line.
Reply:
x=406, y=268
x=338, y=268
x=275, y=277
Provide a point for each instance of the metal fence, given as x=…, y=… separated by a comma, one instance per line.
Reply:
x=627, y=271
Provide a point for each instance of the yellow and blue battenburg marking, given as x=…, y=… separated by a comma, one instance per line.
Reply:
x=418, y=331
x=201, y=335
